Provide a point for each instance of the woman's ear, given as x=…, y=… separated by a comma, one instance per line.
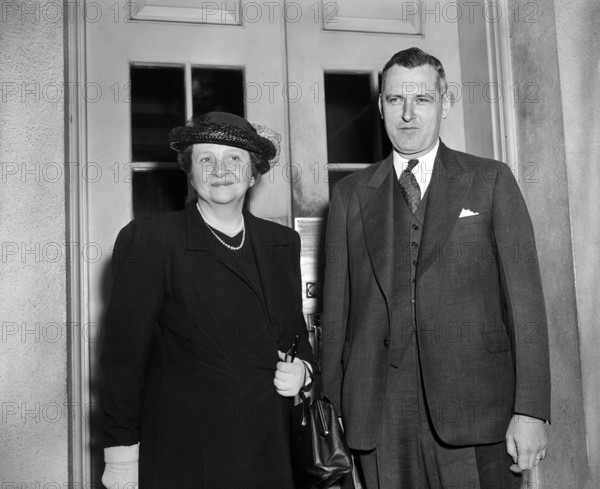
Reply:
x=192, y=195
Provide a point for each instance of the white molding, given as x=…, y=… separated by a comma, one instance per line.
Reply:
x=494, y=74
x=333, y=167
x=218, y=15
x=332, y=21
x=77, y=277
x=153, y=165
x=503, y=112
x=189, y=103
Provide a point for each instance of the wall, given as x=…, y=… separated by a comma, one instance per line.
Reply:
x=33, y=343
x=578, y=34
x=543, y=175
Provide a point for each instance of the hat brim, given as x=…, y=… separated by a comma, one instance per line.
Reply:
x=224, y=134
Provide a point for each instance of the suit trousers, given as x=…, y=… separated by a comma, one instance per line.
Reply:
x=409, y=455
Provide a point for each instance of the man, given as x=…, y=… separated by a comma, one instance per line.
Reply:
x=435, y=344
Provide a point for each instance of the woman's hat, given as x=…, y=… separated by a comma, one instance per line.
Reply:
x=226, y=129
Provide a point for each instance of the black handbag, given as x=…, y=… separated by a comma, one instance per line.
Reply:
x=320, y=455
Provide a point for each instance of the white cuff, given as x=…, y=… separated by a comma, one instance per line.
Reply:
x=122, y=454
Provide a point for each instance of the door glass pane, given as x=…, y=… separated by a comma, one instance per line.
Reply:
x=386, y=145
x=156, y=191
x=157, y=105
x=218, y=89
x=351, y=113
x=355, y=130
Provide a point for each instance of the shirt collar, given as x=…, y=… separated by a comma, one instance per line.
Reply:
x=425, y=162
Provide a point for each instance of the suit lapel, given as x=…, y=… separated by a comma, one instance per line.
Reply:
x=447, y=190
x=377, y=214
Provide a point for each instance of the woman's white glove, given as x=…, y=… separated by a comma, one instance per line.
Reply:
x=121, y=470
x=290, y=377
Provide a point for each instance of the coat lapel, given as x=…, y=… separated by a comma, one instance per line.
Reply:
x=198, y=235
x=263, y=241
x=447, y=190
x=200, y=238
x=377, y=214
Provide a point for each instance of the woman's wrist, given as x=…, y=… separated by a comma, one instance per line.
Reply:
x=307, y=373
x=122, y=454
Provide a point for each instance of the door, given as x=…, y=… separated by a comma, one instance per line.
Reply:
x=309, y=70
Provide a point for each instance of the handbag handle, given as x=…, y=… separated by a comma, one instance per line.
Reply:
x=322, y=418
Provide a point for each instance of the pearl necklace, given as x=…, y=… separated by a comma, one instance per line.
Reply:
x=241, y=228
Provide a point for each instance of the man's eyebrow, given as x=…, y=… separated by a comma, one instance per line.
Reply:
x=427, y=94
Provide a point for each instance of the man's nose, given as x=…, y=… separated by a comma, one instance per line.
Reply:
x=408, y=111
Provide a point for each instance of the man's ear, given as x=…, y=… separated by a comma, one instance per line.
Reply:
x=380, y=106
x=447, y=103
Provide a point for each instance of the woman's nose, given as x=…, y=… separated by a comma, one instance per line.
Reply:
x=219, y=169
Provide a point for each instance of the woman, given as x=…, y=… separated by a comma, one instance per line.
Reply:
x=204, y=304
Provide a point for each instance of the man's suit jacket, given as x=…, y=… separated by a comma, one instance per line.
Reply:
x=480, y=317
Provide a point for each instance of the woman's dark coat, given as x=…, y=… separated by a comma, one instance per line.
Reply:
x=191, y=349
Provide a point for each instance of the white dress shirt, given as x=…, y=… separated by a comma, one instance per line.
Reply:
x=422, y=171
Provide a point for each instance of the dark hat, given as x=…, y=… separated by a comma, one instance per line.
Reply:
x=221, y=128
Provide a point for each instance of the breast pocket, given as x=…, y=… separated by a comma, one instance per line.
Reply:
x=472, y=220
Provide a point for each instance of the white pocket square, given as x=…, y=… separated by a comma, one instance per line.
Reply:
x=467, y=213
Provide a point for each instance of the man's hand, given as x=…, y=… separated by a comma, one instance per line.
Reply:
x=526, y=442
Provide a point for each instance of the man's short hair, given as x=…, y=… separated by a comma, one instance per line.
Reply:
x=413, y=58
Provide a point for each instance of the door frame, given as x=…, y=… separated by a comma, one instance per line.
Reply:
x=78, y=371
x=77, y=211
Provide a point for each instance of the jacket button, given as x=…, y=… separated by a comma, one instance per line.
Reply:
x=415, y=227
x=386, y=342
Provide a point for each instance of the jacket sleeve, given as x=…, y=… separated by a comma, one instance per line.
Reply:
x=522, y=287
x=335, y=299
x=136, y=296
